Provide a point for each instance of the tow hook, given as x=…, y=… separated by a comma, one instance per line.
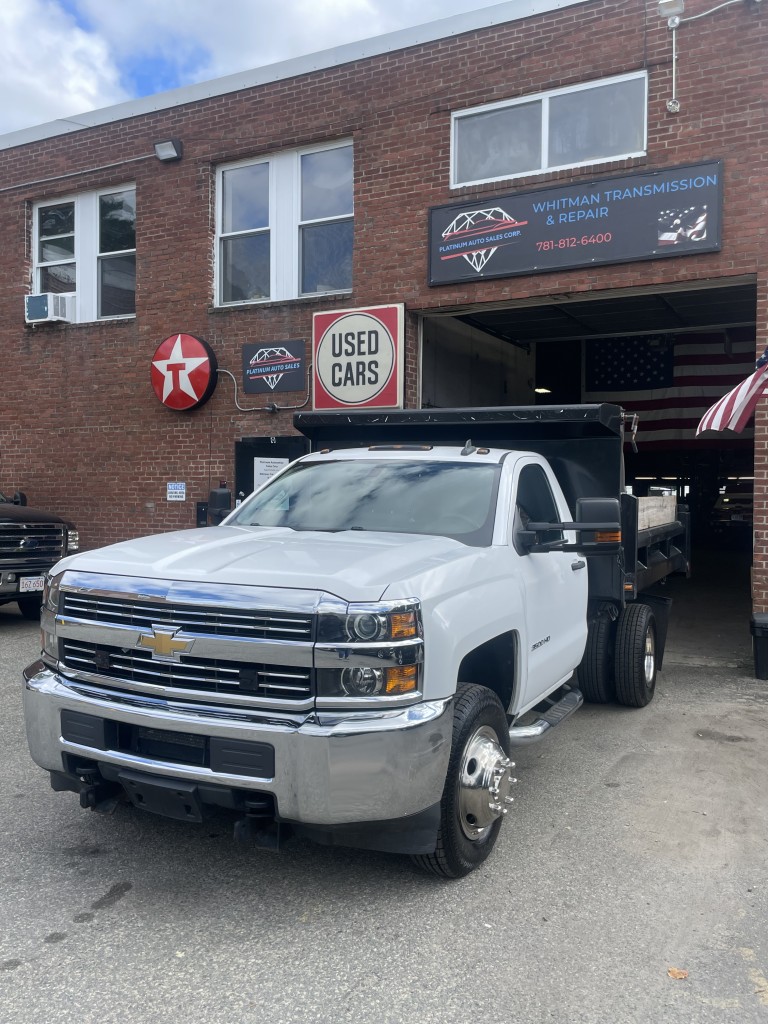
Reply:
x=256, y=829
x=95, y=793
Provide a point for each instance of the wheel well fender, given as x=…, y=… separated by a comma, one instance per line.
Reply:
x=494, y=665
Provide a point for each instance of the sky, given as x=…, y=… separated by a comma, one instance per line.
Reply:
x=59, y=58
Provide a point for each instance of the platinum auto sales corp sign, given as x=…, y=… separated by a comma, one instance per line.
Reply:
x=358, y=358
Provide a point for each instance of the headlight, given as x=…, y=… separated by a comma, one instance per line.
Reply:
x=369, y=652
x=51, y=588
x=365, y=681
x=366, y=626
x=48, y=642
x=374, y=623
x=73, y=541
x=362, y=682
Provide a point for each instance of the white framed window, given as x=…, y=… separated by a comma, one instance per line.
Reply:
x=86, y=245
x=571, y=127
x=284, y=226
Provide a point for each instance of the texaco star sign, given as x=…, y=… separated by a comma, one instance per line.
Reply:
x=184, y=372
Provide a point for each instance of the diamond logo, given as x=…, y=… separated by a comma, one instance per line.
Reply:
x=477, y=234
x=273, y=363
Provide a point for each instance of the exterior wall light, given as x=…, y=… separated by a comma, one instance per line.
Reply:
x=169, y=150
x=673, y=10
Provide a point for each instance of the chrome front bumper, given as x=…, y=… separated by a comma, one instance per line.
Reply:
x=330, y=768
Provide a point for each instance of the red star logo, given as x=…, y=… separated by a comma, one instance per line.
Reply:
x=183, y=372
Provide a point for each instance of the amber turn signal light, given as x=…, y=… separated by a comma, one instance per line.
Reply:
x=403, y=679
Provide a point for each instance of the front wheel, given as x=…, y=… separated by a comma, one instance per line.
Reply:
x=30, y=606
x=636, y=656
x=477, y=786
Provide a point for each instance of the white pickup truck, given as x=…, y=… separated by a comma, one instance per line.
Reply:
x=354, y=652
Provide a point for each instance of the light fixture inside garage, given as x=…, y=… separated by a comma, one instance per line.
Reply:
x=169, y=150
x=543, y=391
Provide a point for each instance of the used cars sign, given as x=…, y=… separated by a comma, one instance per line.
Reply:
x=358, y=358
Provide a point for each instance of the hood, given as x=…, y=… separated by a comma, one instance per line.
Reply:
x=353, y=566
x=23, y=514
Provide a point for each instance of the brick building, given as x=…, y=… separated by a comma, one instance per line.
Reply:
x=621, y=211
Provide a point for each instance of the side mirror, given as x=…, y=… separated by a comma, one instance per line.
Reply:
x=598, y=529
x=599, y=522
x=19, y=498
x=526, y=539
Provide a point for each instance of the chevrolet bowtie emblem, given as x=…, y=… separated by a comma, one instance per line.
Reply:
x=163, y=644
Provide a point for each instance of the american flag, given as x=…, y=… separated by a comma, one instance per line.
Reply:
x=669, y=382
x=734, y=410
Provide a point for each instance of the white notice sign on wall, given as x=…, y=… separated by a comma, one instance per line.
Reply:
x=265, y=469
x=177, y=491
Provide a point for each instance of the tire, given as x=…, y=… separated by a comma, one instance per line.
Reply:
x=636, y=656
x=476, y=794
x=596, y=673
x=30, y=606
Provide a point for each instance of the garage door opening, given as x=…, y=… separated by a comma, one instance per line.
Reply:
x=665, y=355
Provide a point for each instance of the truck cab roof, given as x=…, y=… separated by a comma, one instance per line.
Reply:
x=414, y=453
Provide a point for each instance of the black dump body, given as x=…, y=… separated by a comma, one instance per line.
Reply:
x=584, y=445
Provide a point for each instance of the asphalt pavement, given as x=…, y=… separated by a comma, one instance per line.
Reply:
x=629, y=883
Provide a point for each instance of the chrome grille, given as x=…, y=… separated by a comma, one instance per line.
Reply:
x=201, y=675
x=213, y=621
x=33, y=545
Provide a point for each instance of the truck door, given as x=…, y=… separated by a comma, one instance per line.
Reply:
x=554, y=587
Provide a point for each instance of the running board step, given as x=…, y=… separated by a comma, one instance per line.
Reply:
x=519, y=735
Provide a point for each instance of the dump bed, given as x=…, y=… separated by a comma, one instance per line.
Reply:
x=584, y=445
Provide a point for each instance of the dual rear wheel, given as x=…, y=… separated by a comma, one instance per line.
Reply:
x=620, y=658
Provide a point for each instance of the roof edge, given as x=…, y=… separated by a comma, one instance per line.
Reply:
x=457, y=24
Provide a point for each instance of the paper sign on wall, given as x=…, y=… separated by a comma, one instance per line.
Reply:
x=265, y=469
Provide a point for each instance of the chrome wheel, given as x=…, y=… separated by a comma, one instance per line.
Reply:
x=485, y=782
x=477, y=783
x=649, y=660
x=635, y=664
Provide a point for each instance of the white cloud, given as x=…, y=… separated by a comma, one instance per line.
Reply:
x=50, y=67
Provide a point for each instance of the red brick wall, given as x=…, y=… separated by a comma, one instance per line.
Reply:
x=760, y=558
x=81, y=430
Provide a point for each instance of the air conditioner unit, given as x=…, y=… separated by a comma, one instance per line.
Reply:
x=48, y=307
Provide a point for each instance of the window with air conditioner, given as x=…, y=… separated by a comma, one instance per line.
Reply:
x=85, y=245
x=285, y=226
x=577, y=126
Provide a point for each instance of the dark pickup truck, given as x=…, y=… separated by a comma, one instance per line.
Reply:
x=31, y=542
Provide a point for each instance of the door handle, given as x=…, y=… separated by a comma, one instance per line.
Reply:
x=579, y=564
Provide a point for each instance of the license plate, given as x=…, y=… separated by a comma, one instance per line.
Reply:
x=737, y=517
x=31, y=584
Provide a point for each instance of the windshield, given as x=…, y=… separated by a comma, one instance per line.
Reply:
x=443, y=498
